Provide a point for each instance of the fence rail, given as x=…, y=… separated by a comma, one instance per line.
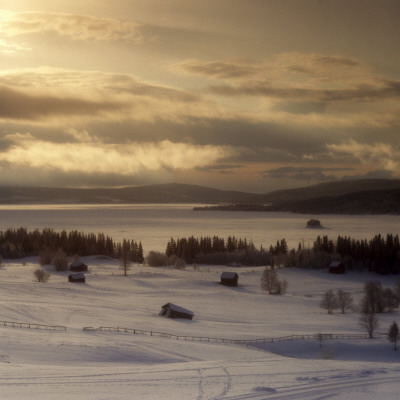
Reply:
x=33, y=326
x=317, y=336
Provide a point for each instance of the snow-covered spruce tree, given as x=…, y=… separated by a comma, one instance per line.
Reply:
x=393, y=334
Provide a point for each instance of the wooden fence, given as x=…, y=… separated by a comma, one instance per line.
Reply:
x=317, y=336
x=33, y=326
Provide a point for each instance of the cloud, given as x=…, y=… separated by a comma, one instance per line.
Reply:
x=305, y=173
x=77, y=27
x=46, y=93
x=218, y=69
x=316, y=79
x=383, y=155
x=386, y=90
x=99, y=158
x=19, y=105
x=285, y=67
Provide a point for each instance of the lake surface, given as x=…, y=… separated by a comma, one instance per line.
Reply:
x=155, y=224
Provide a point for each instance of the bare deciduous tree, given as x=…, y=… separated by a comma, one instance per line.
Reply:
x=126, y=256
x=156, y=259
x=373, y=301
x=60, y=261
x=369, y=322
x=271, y=283
x=378, y=299
x=329, y=301
x=41, y=275
x=344, y=300
x=391, y=299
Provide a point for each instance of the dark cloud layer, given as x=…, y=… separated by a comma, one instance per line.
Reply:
x=228, y=93
x=389, y=89
x=305, y=173
x=18, y=105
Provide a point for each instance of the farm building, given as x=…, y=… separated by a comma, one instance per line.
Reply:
x=78, y=266
x=170, y=310
x=229, y=278
x=337, y=267
x=75, y=278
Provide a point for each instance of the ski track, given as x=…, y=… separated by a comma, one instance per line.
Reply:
x=320, y=390
x=208, y=378
x=103, y=365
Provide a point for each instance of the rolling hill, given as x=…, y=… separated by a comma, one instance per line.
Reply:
x=372, y=196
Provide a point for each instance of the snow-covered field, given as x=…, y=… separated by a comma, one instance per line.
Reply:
x=78, y=364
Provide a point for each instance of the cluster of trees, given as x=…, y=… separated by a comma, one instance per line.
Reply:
x=376, y=299
x=271, y=283
x=380, y=254
x=17, y=243
x=332, y=301
x=216, y=250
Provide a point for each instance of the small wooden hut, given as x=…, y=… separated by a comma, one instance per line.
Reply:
x=76, y=278
x=337, y=267
x=78, y=266
x=229, y=278
x=170, y=310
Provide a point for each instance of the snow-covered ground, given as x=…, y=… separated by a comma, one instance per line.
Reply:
x=78, y=364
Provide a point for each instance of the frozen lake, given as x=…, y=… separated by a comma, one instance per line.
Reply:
x=155, y=224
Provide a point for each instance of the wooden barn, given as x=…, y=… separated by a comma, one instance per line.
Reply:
x=170, y=310
x=337, y=267
x=76, y=278
x=229, y=278
x=78, y=266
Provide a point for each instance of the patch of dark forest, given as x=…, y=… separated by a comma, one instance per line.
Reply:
x=381, y=254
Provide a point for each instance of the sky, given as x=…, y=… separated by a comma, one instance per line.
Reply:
x=254, y=95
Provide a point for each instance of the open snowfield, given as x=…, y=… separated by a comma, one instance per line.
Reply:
x=87, y=364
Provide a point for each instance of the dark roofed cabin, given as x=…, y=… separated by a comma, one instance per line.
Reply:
x=75, y=278
x=170, y=310
x=337, y=267
x=229, y=278
x=78, y=266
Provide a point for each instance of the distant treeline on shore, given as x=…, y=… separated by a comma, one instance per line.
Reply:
x=380, y=254
x=18, y=243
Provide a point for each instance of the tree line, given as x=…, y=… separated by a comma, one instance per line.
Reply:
x=217, y=250
x=380, y=254
x=18, y=243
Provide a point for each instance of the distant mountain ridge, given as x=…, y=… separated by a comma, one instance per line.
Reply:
x=163, y=193
x=332, y=189
x=375, y=196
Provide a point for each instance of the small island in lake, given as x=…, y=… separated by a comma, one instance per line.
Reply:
x=314, y=224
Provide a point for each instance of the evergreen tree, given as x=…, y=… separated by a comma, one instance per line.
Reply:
x=393, y=334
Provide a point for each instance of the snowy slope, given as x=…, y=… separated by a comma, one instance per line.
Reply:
x=78, y=364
